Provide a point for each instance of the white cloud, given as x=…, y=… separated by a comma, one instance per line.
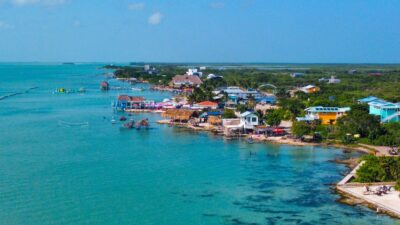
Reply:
x=4, y=25
x=155, y=18
x=37, y=2
x=136, y=6
x=217, y=5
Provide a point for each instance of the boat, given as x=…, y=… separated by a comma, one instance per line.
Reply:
x=250, y=140
x=129, y=125
x=113, y=121
x=122, y=118
x=137, y=89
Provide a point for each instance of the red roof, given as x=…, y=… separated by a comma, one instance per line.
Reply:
x=104, y=84
x=207, y=103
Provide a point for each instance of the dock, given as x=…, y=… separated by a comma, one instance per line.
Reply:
x=388, y=203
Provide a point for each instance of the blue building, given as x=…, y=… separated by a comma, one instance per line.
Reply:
x=387, y=111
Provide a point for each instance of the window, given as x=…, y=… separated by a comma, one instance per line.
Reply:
x=254, y=119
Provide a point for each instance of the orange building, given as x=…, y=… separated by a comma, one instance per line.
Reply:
x=327, y=115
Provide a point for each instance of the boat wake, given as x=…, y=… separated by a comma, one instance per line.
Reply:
x=70, y=124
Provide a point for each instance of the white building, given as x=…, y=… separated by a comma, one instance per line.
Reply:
x=249, y=120
x=146, y=67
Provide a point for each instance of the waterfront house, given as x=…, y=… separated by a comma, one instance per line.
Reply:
x=249, y=120
x=126, y=102
x=327, y=115
x=309, y=89
x=104, y=86
x=206, y=105
x=387, y=111
x=185, y=81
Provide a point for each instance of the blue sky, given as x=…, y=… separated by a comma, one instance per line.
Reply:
x=299, y=31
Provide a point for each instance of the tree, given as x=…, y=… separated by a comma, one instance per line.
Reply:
x=228, y=114
x=301, y=128
x=274, y=117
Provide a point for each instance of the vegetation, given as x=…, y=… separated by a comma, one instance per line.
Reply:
x=274, y=117
x=228, y=114
x=378, y=169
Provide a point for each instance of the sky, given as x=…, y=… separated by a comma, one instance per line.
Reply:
x=270, y=31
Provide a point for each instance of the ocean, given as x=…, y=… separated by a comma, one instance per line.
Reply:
x=63, y=162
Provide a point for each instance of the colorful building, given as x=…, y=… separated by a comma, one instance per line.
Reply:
x=327, y=115
x=126, y=102
x=387, y=111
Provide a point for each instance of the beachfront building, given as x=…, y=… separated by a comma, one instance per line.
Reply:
x=126, y=102
x=387, y=111
x=249, y=120
x=206, y=105
x=327, y=115
x=185, y=81
x=309, y=89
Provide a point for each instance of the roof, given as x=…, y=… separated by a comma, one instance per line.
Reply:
x=247, y=113
x=183, y=79
x=368, y=99
x=318, y=109
x=130, y=98
x=207, y=104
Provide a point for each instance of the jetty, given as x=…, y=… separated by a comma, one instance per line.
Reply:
x=388, y=203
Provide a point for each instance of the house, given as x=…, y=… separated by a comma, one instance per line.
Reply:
x=333, y=80
x=375, y=74
x=309, y=89
x=126, y=102
x=249, y=120
x=211, y=117
x=104, y=86
x=213, y=76
x=266, y=99
x=387, y=111
x=351, y=72
x=327, y=115
x=194, y=72
x=185, y=81
x=297, y=74
x=206, y=105
x=236, y=93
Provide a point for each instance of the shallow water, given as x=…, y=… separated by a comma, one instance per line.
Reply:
x=52, y=173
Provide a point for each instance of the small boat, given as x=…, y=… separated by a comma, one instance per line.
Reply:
x=122, y=118
x=129, y=125
x=113, y=121
x=137, y=89
x=250, y=140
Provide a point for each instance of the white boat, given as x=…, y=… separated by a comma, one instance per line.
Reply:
x=137, y=89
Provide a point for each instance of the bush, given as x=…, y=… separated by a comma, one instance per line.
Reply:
x=397, y=187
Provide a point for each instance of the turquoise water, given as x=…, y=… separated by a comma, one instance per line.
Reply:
x=100, y=174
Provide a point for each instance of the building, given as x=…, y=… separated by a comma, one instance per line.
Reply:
x=104, y=86
x=146, y=67
x=333, y=80
x=126, y=102
x=213, y=76
x=297, y=74
x=351, y=72
x=327, y=115
x=206, y=105
x=309, y=89
x=387, y=111
x=249, y=120
x=185, y=81
x=194, y=72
